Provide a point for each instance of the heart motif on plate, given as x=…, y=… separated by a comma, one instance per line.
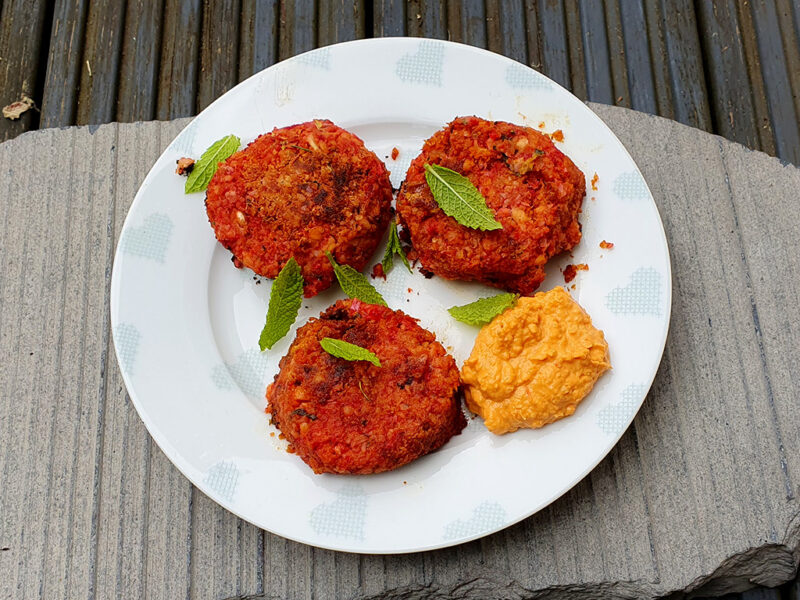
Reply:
x=150, y=239
x=642, y=296
x=423, y=66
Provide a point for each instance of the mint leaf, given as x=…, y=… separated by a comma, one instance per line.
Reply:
x=393, y=247
x=484, y=310
x=205, y=168
x=285, y=298
x=348, y=351
x=354, y=284
x=459, y=199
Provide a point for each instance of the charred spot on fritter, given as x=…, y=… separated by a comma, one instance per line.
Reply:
x=298, y=192
x=353, y=417
x=531, y=187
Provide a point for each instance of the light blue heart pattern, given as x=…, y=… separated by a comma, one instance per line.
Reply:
x=519, y=77
x=344, y=516
x=631, y=187
x=642, y=296
x=424, y=66
x=246, y=372
x=318, y=58
x=127, y=338
x=184, y=143
x=487, y=516
x=613, y=419
x=149, y=240
x=223, y=478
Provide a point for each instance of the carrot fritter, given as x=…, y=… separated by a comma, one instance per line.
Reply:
x=353, y=417
x=533, y=189
x=301, y=191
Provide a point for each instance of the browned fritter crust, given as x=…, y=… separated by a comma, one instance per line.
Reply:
x=533, y=189
x=353, y=417
x=300, y=191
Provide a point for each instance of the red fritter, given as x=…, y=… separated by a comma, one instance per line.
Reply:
x=533, y=189
x=300, y=191
x=353, y=417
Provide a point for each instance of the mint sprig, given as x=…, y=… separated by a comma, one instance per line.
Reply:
x=459, y=198
x=285, y=298
x=484, y=310
x=354, y=284
x=205, y=168
x=348, y=351
x=393, y=247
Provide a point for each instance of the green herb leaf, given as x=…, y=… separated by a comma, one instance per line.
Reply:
x=205, y=168
x=284, y=302
x=348, y=351
x=484, y=310
x=354, y=284
x=459, y=199
x=393, y=247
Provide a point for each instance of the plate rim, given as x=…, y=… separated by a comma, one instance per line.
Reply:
x=175, y=457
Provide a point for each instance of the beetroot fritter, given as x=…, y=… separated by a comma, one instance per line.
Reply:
x=533, y=189
x=353, y=417
x=301, y=191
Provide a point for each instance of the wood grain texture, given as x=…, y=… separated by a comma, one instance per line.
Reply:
x=141, y=57
x=427, y=18
x=297, y=29
x=219, y=51
x=60, y=94
x=258, y=43
x=700, y=495
x=505, y=28
x=22, y=24
x=339, y=21
x=180, y=58
x=389, y=18
x=466, y=22
x=100, y=66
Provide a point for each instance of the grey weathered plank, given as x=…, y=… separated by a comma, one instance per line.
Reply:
x=258, y=43
x=219, y=50
x=297, y=28
x=505, y=28
x=466, y=22
x=339, y=21
x=22, y=26
x=180, y=64
x=599, y=87
x=577, y=58
x=733, y=112
x=774, y=67
x=616, y=54
x=684, y=61
x=389, y=18
x=708, y=470
x=641, y=81
x=60, y=94
x=141, y=57
x=548, y=47
x=102, y=48
x=427, y=18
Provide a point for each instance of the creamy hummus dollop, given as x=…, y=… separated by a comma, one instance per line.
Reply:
x=534, y=363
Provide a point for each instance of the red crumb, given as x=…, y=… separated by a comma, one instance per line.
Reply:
x=572, y=287
x=606, y=245
x=410, y=290
x=185, y=165
x=395, y=153
x=377, y=271
x=541, y=125
x=571, y=270
x=594, y=182
x=557, y=135
x=271, y=434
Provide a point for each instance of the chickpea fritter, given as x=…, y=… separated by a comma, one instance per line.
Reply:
x=533, y=189
x=352, y=417
x=301, y=191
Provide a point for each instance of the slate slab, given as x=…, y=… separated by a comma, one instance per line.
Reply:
x=700, y=496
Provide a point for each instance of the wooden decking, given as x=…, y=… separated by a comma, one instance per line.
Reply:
x=728, y=67
x=731, y=68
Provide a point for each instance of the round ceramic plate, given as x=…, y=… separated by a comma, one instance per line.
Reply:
x=186, y=322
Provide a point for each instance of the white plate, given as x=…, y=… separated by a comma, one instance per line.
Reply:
x=186, y=322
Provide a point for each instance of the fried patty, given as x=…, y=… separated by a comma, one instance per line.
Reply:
x=301, y=191
x=352, y=417
x=533, y=189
